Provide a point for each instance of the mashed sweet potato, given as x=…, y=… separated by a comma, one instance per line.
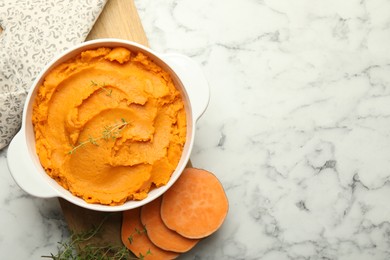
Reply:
x=109, y=125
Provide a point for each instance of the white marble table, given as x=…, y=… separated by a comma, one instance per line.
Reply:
x=297, y=129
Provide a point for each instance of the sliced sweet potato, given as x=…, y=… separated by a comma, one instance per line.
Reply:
x=159, y=234
x=135, y=239
x=196, y=205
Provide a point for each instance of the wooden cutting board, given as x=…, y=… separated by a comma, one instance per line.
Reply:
x=119, y=19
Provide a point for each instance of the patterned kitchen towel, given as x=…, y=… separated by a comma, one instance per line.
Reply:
x=33, y=31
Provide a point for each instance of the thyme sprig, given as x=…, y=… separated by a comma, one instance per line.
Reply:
x=141, y=256
x=138, y=232
x=72, y=249
x=109, y=132
x=103, y=87
x=131, y=240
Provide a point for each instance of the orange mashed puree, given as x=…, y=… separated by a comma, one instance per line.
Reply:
x=109, y=125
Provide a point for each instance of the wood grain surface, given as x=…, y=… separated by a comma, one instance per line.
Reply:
x=119, y=19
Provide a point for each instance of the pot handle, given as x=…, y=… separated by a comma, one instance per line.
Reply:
x=193, y=79
x=23, y=169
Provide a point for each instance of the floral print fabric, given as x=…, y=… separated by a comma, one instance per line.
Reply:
x=34, y=31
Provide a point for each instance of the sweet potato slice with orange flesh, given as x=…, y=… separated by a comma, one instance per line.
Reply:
x=134, y=237
x=196, y=205
x=159, y=234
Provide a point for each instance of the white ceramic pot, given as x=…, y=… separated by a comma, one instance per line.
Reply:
x=23, y=161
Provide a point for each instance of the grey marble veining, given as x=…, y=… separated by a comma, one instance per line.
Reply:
x=297, y=129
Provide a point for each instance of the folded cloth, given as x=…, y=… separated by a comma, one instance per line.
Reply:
x=33, y=31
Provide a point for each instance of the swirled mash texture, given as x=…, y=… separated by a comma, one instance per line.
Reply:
x=109, y=125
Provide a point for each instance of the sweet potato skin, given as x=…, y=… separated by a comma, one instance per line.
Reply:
x=196, y=205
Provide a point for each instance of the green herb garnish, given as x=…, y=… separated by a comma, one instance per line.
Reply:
x=73, y=249
x=109, y=132
x=103, y=87
x=138, y=232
